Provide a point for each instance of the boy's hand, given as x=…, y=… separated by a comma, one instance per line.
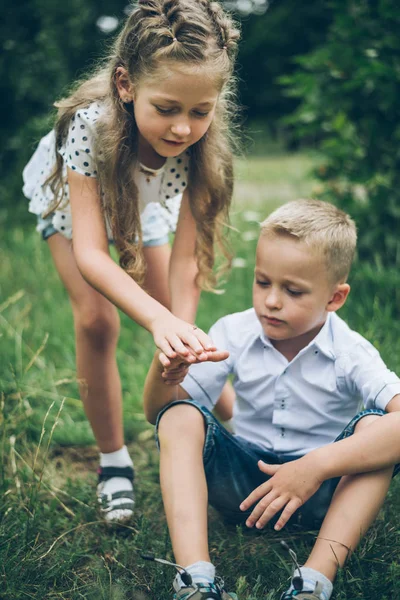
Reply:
x=175, y=369
x=289, y=487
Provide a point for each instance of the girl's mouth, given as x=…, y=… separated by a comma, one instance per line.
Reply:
x=174, y=143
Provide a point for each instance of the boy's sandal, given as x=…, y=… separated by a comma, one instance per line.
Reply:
x=205, y=591
x=116, y=507
x=303, y=595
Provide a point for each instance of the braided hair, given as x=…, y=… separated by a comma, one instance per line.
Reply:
x=194, y=33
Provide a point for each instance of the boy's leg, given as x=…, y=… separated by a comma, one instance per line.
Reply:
x=354, y=507
x=181, y=435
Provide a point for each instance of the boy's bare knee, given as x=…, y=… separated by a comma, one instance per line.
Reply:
x=180, y=422
x=365, y=421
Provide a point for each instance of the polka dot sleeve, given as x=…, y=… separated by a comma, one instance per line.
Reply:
x=78, y=150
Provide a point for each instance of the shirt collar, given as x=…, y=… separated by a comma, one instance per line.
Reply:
x=323, y=340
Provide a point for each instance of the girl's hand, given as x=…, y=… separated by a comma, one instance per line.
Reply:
x=176, y=337
x=289, y=487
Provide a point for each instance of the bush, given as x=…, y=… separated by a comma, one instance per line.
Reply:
x=349, y=89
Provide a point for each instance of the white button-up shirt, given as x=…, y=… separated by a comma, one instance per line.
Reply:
x=293, y=407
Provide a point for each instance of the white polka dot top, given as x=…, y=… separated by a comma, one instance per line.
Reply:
x=160, y=191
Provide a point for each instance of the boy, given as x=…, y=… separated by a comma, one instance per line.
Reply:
x=299, y=375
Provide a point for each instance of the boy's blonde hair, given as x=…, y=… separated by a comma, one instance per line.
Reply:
x=322, y=226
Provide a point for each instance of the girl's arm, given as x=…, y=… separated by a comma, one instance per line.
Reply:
x=90, y=246
x=184, y=292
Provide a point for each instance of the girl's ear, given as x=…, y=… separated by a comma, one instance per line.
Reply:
x=124, y=85
x=339, y=297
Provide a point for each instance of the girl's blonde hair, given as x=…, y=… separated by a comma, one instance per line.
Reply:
x=197, y=33
x=321, y=225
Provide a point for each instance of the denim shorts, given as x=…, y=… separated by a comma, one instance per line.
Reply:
x=47, y=230
x=232, y=473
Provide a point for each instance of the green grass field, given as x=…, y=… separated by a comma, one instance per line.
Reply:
x=52, y=543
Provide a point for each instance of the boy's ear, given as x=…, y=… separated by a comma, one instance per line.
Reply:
x=124, y=85
x=339, y=297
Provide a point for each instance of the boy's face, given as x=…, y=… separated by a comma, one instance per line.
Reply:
x=292, y=292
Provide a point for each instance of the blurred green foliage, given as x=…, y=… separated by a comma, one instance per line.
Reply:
x=349, y=89
x=46, y=46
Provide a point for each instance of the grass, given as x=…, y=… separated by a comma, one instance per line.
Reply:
x=52, y=544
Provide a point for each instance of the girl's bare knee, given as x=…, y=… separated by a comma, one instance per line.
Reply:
x=181, y=422
x=99, y=324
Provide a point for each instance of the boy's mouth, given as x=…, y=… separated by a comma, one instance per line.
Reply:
x=273, y=320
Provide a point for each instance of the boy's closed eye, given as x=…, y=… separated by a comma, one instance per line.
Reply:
x=291, y=291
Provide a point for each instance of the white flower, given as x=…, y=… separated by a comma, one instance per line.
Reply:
x=248, y=236
x=107, y=24
x=239, y=263
x=251, y=215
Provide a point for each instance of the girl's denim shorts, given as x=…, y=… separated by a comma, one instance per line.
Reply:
x=47, y=230
x=232, y=473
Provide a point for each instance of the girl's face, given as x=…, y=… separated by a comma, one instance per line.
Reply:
x=173, y=109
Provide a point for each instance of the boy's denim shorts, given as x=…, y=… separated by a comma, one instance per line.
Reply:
x=232, y=473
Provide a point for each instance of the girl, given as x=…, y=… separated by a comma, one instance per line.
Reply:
x=138, y=150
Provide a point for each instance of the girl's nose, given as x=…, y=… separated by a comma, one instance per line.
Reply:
x=181, y=128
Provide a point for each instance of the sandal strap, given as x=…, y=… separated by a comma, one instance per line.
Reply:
x=105, y=500
x=105, y=473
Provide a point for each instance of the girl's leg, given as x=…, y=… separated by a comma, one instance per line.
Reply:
x=181, y=437
x=353, y=509
x=96, y=329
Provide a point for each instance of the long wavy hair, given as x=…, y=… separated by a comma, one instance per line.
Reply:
x=194, y=33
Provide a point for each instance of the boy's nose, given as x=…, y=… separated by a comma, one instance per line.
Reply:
x=273, y=299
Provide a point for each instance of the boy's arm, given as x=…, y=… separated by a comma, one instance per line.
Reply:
x=372, y=448
x=157, y=393
x=162, y=383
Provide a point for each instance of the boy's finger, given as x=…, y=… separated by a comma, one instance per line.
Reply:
x=164, y=360
x=259, y=492
x=267, y=468
x=271, y=510
x=260, y=508
x=288, y=511
x=218, y=355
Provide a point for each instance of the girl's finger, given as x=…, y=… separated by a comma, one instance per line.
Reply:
x=204, y=339
x=166, y=349
x=290, y=508
x=178, y=345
